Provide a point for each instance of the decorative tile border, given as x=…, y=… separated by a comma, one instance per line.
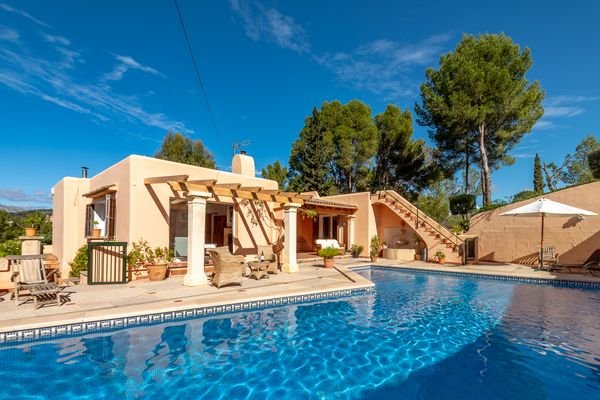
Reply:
x=535, y=281
x=60, y=331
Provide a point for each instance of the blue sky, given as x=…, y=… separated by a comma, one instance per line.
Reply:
x=88, y=83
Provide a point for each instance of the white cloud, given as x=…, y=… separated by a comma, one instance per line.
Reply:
x=56, y=39
x=18, y=195
x=50, y=80
x=126, y=63
x=8, y=34
x=270, y=25
x=543, y=124
x=22, y=13
x=563, y=111
x=561, y=100
x=381, y=66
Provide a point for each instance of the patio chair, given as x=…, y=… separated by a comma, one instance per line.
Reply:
x=228, y=268
x=271, y=257
x=29, y=275
x=548, y=256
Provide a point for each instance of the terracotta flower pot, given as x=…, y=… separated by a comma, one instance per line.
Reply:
x=442, y=261
x=96, y=232
x=157, y=272
x=30, y=231
x=373, y=258
x=328, y=262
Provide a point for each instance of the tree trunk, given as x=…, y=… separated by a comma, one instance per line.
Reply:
x=467, y=162
x=486, y=176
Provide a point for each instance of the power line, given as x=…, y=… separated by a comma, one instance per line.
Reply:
x=187, y=39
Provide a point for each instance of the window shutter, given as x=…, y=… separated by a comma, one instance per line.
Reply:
x=110, y=215
x=89, y=219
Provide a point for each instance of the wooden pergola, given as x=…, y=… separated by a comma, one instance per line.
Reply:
x=181, y=185
x=197, y=192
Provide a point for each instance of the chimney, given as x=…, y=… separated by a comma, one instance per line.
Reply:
x=84, y=172
x=243, y=164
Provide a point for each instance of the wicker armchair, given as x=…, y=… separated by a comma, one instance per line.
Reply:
x=270, y=256
x=228, y=268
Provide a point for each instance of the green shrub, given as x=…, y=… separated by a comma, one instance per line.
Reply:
x=10, y=248
x=375, y=246
x=80, y=262
x=524, y=195
x=440, y=255
x=356, y=249
x=462, y=204
x=328, y=252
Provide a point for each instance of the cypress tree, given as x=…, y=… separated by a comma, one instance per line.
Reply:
x=538, y=178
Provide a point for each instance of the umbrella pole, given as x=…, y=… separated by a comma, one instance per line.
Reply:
x=542, y=243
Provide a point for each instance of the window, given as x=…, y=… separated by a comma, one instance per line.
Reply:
x=101, y=215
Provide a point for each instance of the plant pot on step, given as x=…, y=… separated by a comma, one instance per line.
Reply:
x=30, y=231
x=157, y=272
x=373, y=258
x=96, y=232
x=328, y=262
x=442, y=261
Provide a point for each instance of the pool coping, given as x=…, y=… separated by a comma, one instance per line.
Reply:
x=93, y=321
x=554, y=281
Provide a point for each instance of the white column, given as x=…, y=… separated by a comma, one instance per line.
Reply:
x=351, y=220
x=290, y=264
x=195, y=275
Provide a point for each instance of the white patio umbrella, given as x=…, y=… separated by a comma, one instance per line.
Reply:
x=542, y=207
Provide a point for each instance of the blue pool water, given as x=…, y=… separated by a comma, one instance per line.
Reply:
x=418, y=336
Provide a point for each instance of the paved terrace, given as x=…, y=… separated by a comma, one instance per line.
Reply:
x=92, y=303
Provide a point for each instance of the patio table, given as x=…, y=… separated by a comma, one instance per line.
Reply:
x=258, y=269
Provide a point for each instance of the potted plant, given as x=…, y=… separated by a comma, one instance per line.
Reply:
x=440, y=256
x=328, y=253
x=30, y=231
x=375, y=248
x=355, y=250
x=156, y=262
x=417, y=243
x=96, y=231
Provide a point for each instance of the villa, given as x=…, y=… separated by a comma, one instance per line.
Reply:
x=186, y=207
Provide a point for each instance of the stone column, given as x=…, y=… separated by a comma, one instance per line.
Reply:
x=350, y=220
x=195, y=275
x=31, y=245
x=290, y=264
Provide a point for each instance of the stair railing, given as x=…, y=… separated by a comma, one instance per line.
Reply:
x=442, y=230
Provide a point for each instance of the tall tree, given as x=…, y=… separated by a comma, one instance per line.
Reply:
x=594, y=163
x=351, y=139
x=335, y=150
x=578, y=170
x=480, y=91
x=400, y=162
x=179, y=148
x=538, y=178
x=308, y=165
x=276, y=172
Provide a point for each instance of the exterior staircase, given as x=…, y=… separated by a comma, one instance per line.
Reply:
x=436, y=236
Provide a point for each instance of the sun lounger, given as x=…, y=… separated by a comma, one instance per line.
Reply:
x=330, y=243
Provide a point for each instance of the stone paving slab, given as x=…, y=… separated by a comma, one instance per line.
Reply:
x=93, y=303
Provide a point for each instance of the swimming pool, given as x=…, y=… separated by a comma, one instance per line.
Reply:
x=418, y=335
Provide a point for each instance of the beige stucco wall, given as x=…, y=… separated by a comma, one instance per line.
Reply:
x=68, y=219
x=514, y=239
x=142, y=211
x=365, y=225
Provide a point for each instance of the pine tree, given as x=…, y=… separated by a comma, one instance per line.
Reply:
x=538, y=178
x=182, y=149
